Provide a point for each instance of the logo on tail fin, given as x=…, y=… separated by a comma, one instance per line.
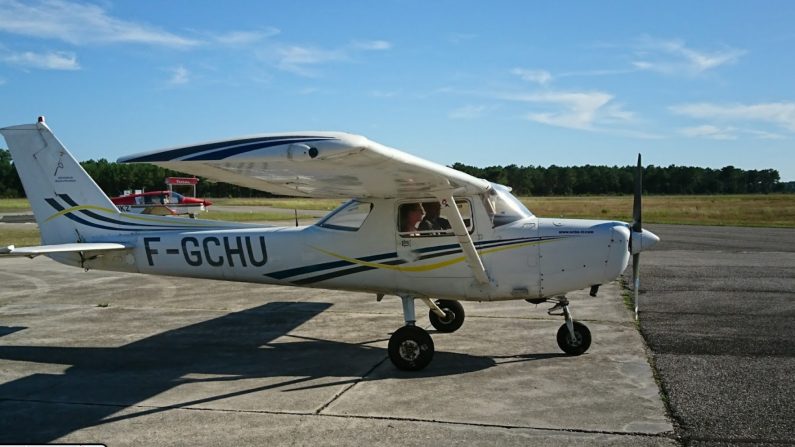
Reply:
x=60, y=165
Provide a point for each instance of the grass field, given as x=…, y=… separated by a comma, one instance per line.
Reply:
x=289, y=203
x=758, y=210
x=20, y=237
x=14, y=205
x=243, y=216
x=772, y=210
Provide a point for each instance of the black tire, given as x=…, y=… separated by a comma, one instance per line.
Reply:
x=410, y=348
x=580, y=344
x=454, y=312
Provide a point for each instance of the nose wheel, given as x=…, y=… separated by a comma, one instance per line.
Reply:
x=574, y=344
x=573, y=337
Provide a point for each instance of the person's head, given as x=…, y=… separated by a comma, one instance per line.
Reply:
x=412, y=214
x=432, y=209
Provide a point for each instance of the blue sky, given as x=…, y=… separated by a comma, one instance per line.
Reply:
x=706, y=83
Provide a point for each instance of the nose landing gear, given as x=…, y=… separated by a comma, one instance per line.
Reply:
x=573, y=337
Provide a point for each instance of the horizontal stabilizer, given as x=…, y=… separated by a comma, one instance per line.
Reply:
x=60, y=248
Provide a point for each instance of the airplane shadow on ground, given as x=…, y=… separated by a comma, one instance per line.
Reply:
x=8, y=330
x=101, y=382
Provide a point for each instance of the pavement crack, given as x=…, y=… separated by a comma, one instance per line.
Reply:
x=151, y=409
x=344, y=390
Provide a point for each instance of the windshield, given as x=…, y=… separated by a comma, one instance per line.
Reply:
x=503, y=207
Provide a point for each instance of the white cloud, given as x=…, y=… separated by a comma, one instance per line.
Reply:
x=781, y=114
x=588, y=111
x=597, y=72
x=300, y=59
x=382, y=94
x=615, y=113
x=468, y=112
x=372, y=45
x=304, y=60
x=538, y=76
x=53, y=60
x=762, y=135
x=673, y=57
x=245, y=37
x=726, y=133
x=179, y=76
x=576, y=110
x=710, y=132
x=80, y=23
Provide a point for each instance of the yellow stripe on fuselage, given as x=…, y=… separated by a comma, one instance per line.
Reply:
x=428, y=267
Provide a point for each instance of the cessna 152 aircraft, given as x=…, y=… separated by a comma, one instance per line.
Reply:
x=414, y=229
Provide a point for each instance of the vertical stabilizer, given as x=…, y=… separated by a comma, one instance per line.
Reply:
x=63, y=196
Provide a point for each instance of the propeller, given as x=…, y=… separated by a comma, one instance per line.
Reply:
x=639, y=239
x=637, y=229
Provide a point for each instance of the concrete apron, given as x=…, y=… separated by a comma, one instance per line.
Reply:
x=130, y=359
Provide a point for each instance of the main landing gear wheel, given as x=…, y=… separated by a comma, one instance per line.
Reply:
x=453, y=319
x=577, y=345
x=410, y=348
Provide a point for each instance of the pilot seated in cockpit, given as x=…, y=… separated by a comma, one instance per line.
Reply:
x=433, y=220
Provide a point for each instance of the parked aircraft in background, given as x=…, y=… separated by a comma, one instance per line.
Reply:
x=483, y=244
x=162, y=203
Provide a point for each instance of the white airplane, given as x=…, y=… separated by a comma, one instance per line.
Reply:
x=415, y=229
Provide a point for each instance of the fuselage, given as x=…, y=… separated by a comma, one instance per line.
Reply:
x=524, y=256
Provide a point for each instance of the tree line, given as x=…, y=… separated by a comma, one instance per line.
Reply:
x=588, y=179
x=114, y=178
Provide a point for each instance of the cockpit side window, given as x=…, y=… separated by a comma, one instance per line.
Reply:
x=348, y=217
x=424, y=219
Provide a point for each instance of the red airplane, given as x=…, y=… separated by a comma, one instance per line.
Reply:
x=163, y=203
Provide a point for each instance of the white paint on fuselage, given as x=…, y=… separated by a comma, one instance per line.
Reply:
x=528, y=258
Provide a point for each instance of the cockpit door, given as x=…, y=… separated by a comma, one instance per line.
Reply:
x=425, y=243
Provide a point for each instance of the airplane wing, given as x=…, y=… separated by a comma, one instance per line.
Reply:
x=314, y=164
x=60, y=248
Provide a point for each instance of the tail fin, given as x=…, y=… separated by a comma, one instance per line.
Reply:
x=57, y=187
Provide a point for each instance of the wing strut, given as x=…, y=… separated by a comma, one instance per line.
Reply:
x=450, y=211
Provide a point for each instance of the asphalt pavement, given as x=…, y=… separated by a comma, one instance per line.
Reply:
x=717, y=312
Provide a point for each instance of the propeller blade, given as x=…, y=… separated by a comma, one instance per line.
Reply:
x=636, y=280
x=636, y=203
x=636, y=236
